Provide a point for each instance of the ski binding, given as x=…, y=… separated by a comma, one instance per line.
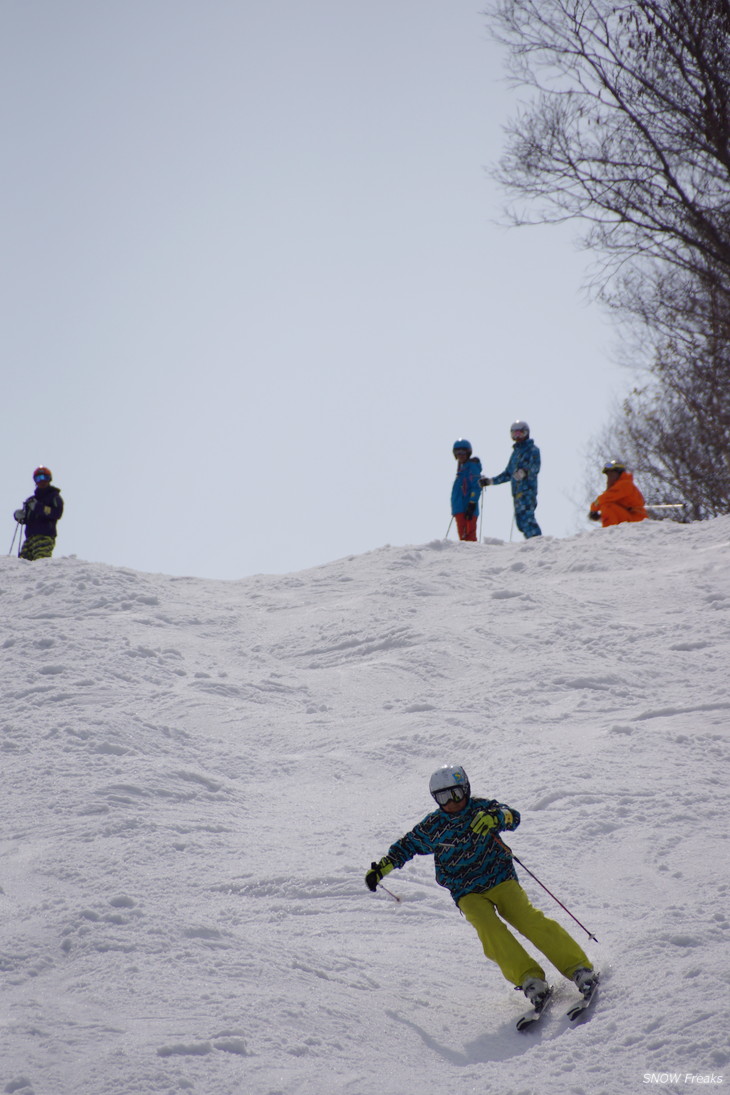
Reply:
x=576, y=1010
x=528, y=1020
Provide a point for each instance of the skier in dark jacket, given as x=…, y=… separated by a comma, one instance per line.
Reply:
x=466, y=492
x=39, y=514
x=477, y=868
x=521, y=472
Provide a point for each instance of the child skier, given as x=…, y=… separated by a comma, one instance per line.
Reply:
x=476, y=867
x=39, y=514
x=521, y=472
x=466, y=492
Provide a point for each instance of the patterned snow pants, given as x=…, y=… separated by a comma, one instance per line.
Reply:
x=38, y=547
x=525, y=505
x=499, y=944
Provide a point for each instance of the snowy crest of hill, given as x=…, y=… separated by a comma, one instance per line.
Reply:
x=197, y=774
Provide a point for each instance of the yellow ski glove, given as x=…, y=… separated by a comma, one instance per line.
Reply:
x=376, y=872
x=484, y=822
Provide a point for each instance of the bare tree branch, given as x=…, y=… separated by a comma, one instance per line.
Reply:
x=628, y=132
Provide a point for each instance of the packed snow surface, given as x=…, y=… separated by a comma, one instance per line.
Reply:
x=197, y=774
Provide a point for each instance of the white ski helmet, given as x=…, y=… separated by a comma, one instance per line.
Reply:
x=519, y=427
x=449, y=784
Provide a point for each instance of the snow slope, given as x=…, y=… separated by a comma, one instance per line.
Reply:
x=197, y=774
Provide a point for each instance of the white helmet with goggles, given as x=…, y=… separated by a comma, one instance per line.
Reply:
x=449, y=784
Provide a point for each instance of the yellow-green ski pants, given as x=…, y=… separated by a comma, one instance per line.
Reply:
x=512, y=904
x=38, y=547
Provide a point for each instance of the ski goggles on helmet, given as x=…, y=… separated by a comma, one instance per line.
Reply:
x=42, y=478
x=449, y=794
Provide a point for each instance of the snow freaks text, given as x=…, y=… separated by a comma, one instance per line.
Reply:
x=681, y=1078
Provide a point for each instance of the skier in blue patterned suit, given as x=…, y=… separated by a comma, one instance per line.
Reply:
x=521, y=472
x=477, y=868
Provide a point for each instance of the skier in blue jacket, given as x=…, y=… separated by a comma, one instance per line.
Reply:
x=477, y=868
x=521, y=472
x=466, y=491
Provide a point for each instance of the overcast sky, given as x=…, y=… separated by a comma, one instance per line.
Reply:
x=253, y=286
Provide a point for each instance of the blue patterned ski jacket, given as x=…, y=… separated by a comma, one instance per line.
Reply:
x=525, y=455
x=466, y=487
x=465, y=863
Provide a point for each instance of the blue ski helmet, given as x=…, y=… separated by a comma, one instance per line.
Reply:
x=462, y=443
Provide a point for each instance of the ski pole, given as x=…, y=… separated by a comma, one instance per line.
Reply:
x=448, y=530
x=389, y=892
x=562, y=906
x=17, y=529
x=481, y=513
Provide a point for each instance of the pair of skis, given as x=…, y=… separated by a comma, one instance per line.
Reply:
x=574, y=1012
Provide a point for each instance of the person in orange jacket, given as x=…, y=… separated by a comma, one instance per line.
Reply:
x=621, y=500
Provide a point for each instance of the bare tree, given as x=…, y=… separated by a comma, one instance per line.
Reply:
x=630, y=126
x=675, y=428
x=628, y=130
